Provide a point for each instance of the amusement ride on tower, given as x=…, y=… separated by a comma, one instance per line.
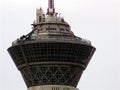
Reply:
x=51, y=57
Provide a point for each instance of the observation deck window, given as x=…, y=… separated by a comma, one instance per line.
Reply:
x=50, y=28
x=62, y=29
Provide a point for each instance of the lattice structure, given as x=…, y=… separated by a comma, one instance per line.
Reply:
x=53, y=75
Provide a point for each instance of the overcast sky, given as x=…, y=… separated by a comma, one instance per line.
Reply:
x=96, y=20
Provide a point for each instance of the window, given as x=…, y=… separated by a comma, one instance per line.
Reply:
x=55, y=88
x=50, y=28
x=39, y=18
x=62, y=29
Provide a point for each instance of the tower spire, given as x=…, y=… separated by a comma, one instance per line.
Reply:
x=51, y=9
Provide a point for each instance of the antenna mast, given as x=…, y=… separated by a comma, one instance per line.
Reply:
x=51, y=9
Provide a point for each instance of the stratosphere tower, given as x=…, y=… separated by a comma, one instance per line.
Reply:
x=51, y=57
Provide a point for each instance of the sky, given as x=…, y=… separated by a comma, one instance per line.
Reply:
x=95, y=20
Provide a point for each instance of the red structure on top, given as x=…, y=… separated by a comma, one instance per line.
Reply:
x=51, y=9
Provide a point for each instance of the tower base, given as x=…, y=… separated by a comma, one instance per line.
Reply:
x=52, y=87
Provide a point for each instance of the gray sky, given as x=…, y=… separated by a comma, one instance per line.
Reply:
x=96, y=20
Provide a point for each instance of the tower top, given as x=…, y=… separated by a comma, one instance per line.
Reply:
x=51, y=9
x=51, y=56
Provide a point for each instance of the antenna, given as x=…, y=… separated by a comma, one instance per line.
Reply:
x=51, y=9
